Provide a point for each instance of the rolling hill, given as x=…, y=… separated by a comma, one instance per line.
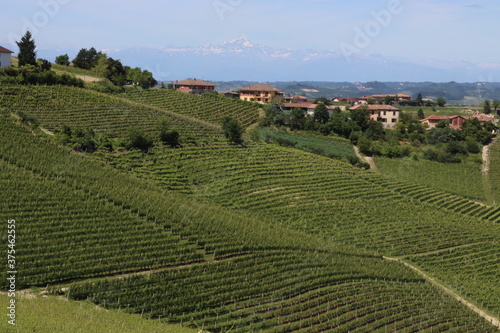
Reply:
x=225, y=238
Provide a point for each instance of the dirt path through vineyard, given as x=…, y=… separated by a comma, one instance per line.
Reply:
x=493, y=320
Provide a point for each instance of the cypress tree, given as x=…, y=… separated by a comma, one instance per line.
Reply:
x=27, y=53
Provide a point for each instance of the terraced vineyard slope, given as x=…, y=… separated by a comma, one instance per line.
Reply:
x=232, y=262
x=209, y=107
x=55, y=106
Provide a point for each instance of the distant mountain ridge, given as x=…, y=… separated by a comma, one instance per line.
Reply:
x=242, y=59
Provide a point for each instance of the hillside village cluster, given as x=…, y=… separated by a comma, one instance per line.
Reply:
x=387, y=114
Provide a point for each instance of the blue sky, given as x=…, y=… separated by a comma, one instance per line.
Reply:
x=438, y=30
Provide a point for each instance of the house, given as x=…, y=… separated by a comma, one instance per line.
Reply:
x=194, y=86
x=456, y=122
x=290, y=106
x=387, y=114
x=232, y=94
x=261, y=93
x=5, y=57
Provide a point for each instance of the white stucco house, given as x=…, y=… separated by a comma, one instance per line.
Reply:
x=5, y=57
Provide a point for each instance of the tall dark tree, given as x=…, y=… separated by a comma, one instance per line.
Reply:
x=297, y=119
x=419, y=100
x=232, y=130
x=27, y=53
x=487, y=106
x=495, y=104
x=321, y=114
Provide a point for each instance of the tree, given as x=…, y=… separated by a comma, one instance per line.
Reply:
x=87, y=59
x=496, y=105
x=321, y=114
x=170, y=138
x=419, y=100
x=138, y=139
x=420, y=114
x=389, y=99
x=297, y=119
x=361, y=117
x=487, y=106
x=62, y=60
x=27, y=53
x=441, y=101
x=232, y=130
x=323, y=100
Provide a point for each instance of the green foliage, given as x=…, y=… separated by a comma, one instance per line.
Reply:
x=138, y=139
x=297, y=119
x=487, y=106
x=62, y=60
x=27, y=53
x=336, y=148
x=361, y=117
x=321, y=114
x=232, y=130
x=170, y=138
x=87, y=59
x=420, y=114
x=38, y=77
x=441, y=102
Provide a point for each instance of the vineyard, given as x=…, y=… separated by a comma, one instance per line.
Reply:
x=57, y=106
x=464, y=179
x=235, y=238
x=208, y=107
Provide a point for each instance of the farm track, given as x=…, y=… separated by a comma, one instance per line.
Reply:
x=491, y=319
x=367, y=159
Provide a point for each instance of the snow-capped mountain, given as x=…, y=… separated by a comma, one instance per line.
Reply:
x=242, y=59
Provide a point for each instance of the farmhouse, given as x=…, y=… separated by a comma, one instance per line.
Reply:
x=456, y=122
x=387, y=114
x=262, y=93
x=307, y=107
x=5, y=57
x=194, y=86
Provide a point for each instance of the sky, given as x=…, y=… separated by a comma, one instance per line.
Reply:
x=424, y=30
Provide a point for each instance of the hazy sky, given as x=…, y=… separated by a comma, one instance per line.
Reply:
x=449, y=30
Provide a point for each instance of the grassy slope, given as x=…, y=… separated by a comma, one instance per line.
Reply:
x=59, y=315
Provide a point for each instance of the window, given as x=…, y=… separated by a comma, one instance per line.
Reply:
x=394, y=120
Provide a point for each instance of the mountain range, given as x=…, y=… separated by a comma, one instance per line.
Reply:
x=241, y=59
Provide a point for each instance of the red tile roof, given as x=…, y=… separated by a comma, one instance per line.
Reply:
x=193, y=82
x=260, y=87
x=4, y=50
